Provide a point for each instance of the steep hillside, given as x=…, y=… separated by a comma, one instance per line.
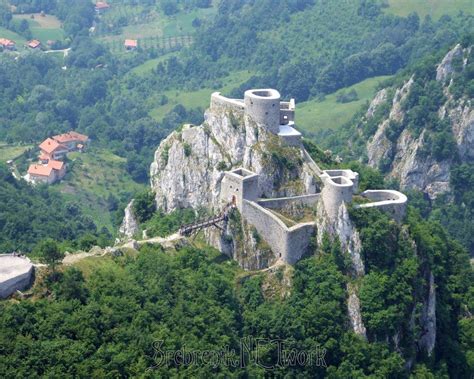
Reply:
x=419, y=131
x=394, y=270
x=429, y=127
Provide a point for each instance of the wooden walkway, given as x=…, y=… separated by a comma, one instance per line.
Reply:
x=188, y=229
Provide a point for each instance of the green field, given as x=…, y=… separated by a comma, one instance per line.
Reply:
x=149, y=65
x=200, y=98
x=19, y=40
x=434, y=8
x=314, y=115
x=92, y=176
x=43, y=28
x=8, y=152
x=149, y=24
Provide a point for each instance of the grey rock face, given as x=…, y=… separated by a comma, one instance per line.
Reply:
x=445, y=68
x=408, y=161
x=129, y=224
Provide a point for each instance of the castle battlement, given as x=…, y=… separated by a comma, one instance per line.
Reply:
x=264, y=107
x=240, y=187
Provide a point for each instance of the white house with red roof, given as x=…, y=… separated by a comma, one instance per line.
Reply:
x=72, y=140
x=51, y=149
x=46, y=173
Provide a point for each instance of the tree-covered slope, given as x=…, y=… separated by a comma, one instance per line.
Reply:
x=29, y=215
x=130, y=310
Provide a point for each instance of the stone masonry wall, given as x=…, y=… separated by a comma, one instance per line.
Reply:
x=289, y=244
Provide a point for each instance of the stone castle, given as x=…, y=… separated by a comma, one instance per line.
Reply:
x=241, y=186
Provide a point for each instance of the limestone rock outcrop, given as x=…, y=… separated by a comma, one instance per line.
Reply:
x=406, y=159
x=189, y=167
x=129, y=225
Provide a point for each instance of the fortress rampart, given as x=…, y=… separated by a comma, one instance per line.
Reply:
x=241, y=186
x=390, y=201
x=288, y=243
x=219, y=101
x=339, y=186
x=282, y=202
x=264, y=107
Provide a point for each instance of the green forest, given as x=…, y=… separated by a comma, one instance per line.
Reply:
x=104, y=318
x=114, y=316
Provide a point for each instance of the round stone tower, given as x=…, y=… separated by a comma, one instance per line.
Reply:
x=263, y=106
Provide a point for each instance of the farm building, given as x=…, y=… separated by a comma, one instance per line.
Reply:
x=101, y=6
x=33, y=44
x=131, y=44
x=7, y=44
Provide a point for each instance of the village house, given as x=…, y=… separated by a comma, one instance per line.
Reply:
x=131, y=44
x=7, y=44
x=101, y=7
x=46, y=173
x=52, y=150
x=34, y=44
x=72, y=140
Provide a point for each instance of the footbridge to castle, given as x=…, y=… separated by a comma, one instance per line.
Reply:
x=188, y=229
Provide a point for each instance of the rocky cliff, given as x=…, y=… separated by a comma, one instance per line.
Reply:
x=189, y=167
x=407, y=146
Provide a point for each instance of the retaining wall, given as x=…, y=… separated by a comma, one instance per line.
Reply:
x=15, y=274
x=288, y=243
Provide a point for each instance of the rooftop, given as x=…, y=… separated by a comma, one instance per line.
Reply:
x=49, y=145
x=34, y=43
x=6, y=42
x=287, y=130
x=40, y=170
x=131, y=43
x=102, y=5
x=71, y=136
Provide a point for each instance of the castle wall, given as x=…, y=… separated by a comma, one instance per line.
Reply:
x=336, y=191
x=289, y=244
x=287, y=112
x=281, y=202
x=239, y=184
x=392, y=202
x=219, y=101
x=263, y=106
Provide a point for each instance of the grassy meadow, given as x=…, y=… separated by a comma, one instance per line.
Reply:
x=199, y=98
x=94, y=175
x=315, y=115
x=434, y=8
x=43, y=28
x=11, y=151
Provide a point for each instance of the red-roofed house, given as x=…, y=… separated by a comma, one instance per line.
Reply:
x=72, y=140
x=52, y=150
x=101, y=6
x=33, y=44
x=49, y=173
x=7, y=44
x=131, y=44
